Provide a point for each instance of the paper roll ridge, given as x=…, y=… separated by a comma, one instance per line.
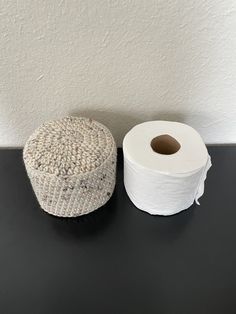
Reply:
x=165, y=166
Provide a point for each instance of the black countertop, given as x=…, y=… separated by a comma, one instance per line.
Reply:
x=118, y=259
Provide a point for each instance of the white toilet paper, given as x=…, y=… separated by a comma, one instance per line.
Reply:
x=165, y=166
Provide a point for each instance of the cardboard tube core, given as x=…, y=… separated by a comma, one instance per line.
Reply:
x=165, y=144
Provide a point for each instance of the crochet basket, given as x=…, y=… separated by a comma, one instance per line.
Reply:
x=71, y=164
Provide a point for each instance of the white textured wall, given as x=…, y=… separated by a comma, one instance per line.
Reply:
x=119, y=61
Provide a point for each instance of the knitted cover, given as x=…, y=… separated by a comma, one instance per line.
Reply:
x=71, y=164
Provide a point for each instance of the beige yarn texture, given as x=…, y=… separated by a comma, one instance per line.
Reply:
x=71, y=164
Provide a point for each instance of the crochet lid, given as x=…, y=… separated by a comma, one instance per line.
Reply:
x=69, y=146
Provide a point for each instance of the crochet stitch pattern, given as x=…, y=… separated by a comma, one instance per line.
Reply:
x=71, y=164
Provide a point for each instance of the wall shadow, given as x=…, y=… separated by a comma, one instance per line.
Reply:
x=120, y=123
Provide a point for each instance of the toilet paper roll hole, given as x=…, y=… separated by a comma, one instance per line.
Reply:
x=165, y=144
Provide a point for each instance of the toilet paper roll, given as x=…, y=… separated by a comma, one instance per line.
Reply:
x=165, y=166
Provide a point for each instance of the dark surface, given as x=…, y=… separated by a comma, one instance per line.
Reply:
x=118, y=259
